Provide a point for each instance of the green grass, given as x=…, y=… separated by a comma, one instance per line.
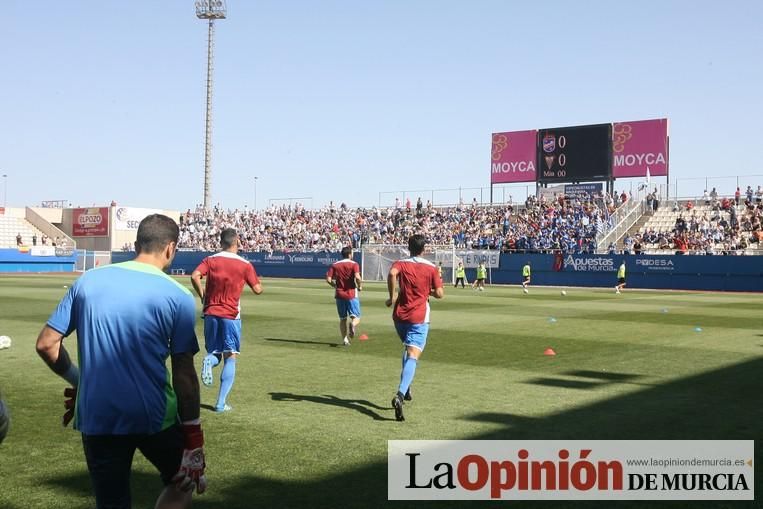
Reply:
x=311, y=420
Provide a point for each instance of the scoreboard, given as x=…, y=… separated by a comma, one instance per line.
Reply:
x=574, y=154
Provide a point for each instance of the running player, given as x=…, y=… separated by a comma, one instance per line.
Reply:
x=410, y=283
x=344, y=275
x=226, y=274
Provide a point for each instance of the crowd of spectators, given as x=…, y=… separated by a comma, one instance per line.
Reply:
x=724, y=225
x=568, y=224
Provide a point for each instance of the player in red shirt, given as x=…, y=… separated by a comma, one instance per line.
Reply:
x=417, y=280
x=226, y=274
x=344, y=275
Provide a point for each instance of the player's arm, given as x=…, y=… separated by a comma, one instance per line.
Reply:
x=330, y=277
x=190, y=476
x=186, y=385
x=358, y=281
x=437, y=292
x=197, y=286
x=51, y=349
x=392, y=286
x=253, y=281
x=183, y=346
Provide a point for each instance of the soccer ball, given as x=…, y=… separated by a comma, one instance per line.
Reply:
x=525, y=290
x=564, y=293
x=5, y=342
x=5, y=420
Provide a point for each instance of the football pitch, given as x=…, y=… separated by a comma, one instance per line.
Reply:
x=311, y=419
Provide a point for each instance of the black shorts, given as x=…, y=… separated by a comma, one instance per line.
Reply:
x=621, y=281
x=525, y=278
x=109, y=460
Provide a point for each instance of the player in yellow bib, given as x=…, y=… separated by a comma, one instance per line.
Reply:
x=460, y=275
x=620, y=278
x=526, y=277
x=479, y=283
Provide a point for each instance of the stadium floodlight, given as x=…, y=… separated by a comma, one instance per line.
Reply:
x=209, y=10
x=5, y=191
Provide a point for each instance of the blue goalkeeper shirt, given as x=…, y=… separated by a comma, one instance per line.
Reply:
x=129, y=317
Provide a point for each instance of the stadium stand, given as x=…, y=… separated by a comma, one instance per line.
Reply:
x=713, y=226
x=566, y=224
x=10, y=227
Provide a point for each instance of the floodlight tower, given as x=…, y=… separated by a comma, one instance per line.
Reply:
x=209, y=10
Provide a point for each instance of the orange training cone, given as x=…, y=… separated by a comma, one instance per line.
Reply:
x=549, y=351
x=363, y=337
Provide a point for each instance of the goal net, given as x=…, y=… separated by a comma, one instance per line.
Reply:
x=87, y=260
x=377, y=259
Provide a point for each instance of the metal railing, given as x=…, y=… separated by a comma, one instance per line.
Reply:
x=623, y=219
x=501, y=194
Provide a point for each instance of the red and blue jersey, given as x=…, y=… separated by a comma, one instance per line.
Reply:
x=417, y=277
x=129, y=317
x=343, y=272
x=226, y=275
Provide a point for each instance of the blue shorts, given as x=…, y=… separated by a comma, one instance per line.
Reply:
x=222, y=334
x=348, y=307
x=413, y=334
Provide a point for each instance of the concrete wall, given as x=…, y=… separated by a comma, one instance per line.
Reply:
x=54, y=216
x=121, y=230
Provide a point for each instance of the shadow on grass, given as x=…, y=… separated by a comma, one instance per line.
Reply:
x=565, y=384
x=303, y=342
x=603, y=375
x=359, y=405
x=724, y=404
x=145, y=487
x=596, y=379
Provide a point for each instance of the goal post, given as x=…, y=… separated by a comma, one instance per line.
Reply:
x=377, y=259
x=87, y=260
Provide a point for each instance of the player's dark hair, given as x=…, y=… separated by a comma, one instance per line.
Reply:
x=227, y=238
x=346, y=252
x=416, y=244
x=155, y=232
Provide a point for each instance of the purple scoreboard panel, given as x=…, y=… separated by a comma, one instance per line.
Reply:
x=512, y=157
x=638, y=145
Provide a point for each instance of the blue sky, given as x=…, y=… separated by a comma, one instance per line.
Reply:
x=344, y=99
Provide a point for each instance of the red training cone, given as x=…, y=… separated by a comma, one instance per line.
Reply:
x=363, y=337
x=549, y=351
